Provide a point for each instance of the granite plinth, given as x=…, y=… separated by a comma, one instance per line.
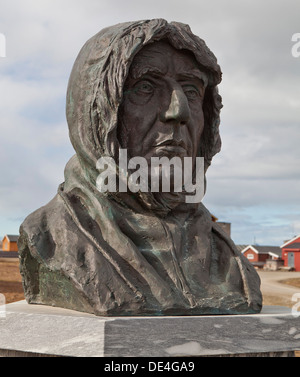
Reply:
x=35, y=330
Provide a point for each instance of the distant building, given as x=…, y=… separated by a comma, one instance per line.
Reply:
x=241, y=247
x=259, y=255
x=291, y=253
x=225, y=226
x=9, y=242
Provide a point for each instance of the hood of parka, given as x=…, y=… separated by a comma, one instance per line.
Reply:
x=95, y=88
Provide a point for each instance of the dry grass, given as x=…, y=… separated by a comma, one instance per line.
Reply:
x=277, y=300
x=295, y=282
x=281, y=300
x=10, y=280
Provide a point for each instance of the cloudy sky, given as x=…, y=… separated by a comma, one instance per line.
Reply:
x=253, y=183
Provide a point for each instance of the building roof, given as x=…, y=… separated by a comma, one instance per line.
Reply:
x=241, y=247
x=290, y=241
x=295, y=245
x=12, y=237
x=264, y=249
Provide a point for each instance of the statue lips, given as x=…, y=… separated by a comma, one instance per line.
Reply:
x=171, y=146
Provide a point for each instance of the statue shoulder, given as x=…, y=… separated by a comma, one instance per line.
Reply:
x=239, y=270
x=220, y=236
x=36, y=232
x=38, y=221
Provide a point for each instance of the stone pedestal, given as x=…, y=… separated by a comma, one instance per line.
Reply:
x=34, y=330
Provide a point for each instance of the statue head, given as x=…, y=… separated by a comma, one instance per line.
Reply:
x=116, y=91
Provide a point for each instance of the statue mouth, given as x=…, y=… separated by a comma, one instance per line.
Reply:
x=172, y=146
x=171, y=149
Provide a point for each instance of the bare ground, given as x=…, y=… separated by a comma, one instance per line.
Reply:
x=10, y=280
x=278, y=287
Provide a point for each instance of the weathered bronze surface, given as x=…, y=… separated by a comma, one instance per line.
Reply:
x=150, y=87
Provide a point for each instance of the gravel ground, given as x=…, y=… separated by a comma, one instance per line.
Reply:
x=274, y=291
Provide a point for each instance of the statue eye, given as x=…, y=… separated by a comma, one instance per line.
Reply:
x=144, y=87
x=191, y=92
x=140, y=93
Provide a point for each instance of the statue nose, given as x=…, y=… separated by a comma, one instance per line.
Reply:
x=178, y=109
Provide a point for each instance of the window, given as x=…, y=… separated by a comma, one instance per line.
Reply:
x=250, y=256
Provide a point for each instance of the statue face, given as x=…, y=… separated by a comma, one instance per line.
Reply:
x=162, y=108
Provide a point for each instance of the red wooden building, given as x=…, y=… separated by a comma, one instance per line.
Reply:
x=258, y=255
x=291, y=253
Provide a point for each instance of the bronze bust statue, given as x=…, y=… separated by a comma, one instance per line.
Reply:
x=149, y=87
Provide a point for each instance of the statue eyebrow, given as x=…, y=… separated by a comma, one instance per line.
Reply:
x=138, y=72
x=194, y=74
